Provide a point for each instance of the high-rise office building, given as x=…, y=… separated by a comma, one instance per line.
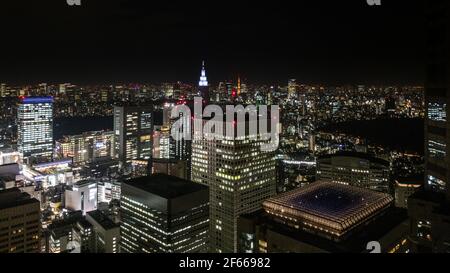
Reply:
x=164, y=214
x=20, y=222
x=133, y=129
x=355, y=169
x=229, y=91
x=292, y=89
x=437, y=98
x=181, y=149
x=164, y=142
x=203, y=85
x=428, y=208
x=240, y=177
x=4, y=90
x=35, y=128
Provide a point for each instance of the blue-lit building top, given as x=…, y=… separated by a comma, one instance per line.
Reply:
x=36, y=100
x=203, y=79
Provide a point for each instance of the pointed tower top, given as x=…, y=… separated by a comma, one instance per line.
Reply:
x=203, y=80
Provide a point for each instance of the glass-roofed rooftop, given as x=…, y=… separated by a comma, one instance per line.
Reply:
x=328, y=207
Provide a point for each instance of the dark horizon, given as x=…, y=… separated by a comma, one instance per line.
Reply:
x=325, y=42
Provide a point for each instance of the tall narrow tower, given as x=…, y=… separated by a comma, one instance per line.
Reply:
x=203, y=85
x=239, y=86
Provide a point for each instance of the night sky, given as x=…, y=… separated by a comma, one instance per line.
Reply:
x=116, y=41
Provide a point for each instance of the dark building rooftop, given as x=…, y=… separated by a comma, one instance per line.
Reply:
x=411, y=180
x=67, y=222
x=102, y=219
x=165, y=186
x=429, y=196
x=14, y=197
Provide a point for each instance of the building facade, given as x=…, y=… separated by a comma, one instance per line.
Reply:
x=429, y=209
x=240, y=177
x=35, y=128
x=20, y=222
x=82, y=196
x=87, y=146
x=355, y=169
x=164, y=214
x=171, y=167
x=133, y=129
x=105, y=232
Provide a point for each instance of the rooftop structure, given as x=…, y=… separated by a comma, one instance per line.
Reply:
x=327, y=207
x=165, y=186
x=101, y=219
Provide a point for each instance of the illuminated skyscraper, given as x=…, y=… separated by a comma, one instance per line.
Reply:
x=437, y=96
x=164, y=214
x=292, y=89
x=203, y=85
x=35, y=128
x=240, y=177
x=133, y=129
x=181, y=149
x=429, y=208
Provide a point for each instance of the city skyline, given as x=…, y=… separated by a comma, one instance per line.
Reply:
x=234, y=128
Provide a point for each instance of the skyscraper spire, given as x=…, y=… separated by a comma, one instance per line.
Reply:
x=203, y=85
x=203, y=79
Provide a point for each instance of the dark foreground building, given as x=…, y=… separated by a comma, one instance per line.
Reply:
x=106, y=233
x=325, y=217
x=164, y=214
x=20, y=226
x=429, y=209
